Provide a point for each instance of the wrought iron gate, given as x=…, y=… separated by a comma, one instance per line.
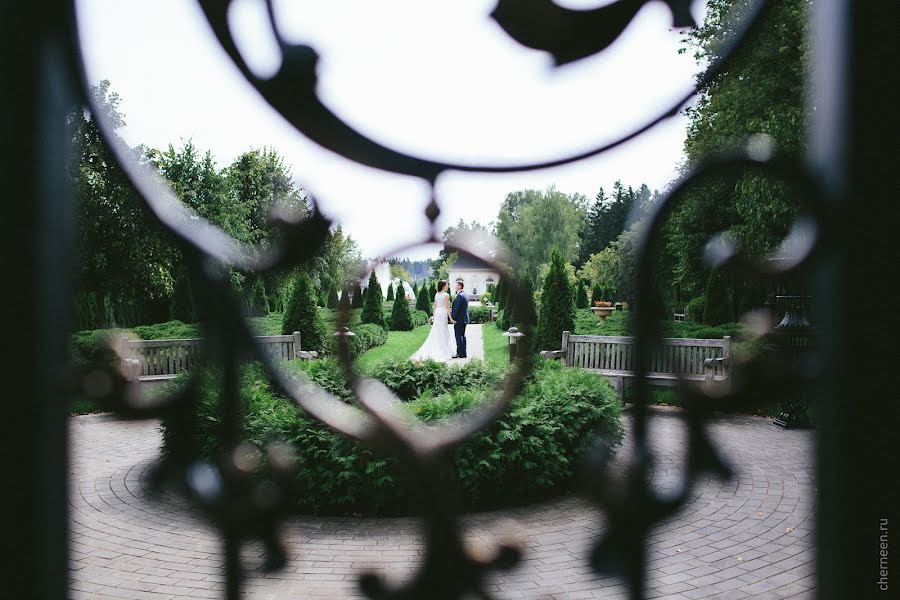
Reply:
x=849, y=213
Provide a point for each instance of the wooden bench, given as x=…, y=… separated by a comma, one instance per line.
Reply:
x=155, y=362
x=678, y=358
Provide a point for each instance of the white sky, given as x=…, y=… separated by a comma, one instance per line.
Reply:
x=435, y=78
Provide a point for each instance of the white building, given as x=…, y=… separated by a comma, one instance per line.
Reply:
x=475, y=274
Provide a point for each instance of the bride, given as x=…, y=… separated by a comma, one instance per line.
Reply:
x=440, y=345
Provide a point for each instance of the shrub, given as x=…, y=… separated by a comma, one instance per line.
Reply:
x=596, y=293
x=498, y=294
x=522, y=313
x=479, y=314
x=718, y=307
x=581, y=298
x=357, y=300
x=332, y=297
x=530, y=452
x=170, y=330
x=423, y=302
x=432, y=290
x=401, y=320
x=302, y=315
x=695, y=309
x=486, y=297
x=258, y=302
x=367, y=336
x=344, y=303
x=419, y=318
x=390, y=292
x=557, y=313
x=372, y=311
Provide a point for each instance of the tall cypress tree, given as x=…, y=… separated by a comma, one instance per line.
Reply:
x=258, y=301
x=415, y=289
x=373, y=311
x=390, y=292
x=432, y=290
x=332, y=296
x=401, y=320
x=522, y=312
x=344, y=303
x=581, y=299
x=301, y=314
x=357, y=300
x=422, y=301
x=557, y=313
x=498, y=295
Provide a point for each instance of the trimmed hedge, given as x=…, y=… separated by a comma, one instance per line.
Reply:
x=530, y=453
x=368, y=335
x=479, y=314
x=695, y=309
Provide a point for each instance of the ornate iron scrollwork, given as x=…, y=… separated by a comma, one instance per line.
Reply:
x=245, y=507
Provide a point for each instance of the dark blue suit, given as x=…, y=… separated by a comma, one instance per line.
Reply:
x=459, y=312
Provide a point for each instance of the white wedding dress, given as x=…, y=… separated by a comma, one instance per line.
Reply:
x=440, y=345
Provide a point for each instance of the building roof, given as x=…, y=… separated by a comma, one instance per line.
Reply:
x=470, y=261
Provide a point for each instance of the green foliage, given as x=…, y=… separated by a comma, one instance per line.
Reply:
x=302, y=315
x=367, y=336
x=390, y=292
x=521, y=310
x=695, y=309
x=530, y=452
x=479, y=314
x=372, y=309
x=719, y=307
x=344, y=302
x=401, y=320
x=432, y=292
x=400, y=345
x=530, y=223
x=597, y=294
x=332, y=298
x=358, y=297
x=423, y=303
x=497, y=295
x=419, y=317
x=581, y=297
x=557, y=312
x=496, y=347
x=170, y=330
x=258, y=303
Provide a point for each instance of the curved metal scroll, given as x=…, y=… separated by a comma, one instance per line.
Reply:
x=245, y=506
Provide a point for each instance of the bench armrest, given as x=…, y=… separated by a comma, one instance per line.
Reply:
x=710, y=363
x=553, y=354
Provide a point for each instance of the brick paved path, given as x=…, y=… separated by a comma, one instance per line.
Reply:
x=752, y=537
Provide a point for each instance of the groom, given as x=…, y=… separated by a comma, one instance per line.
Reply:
x=459, y=314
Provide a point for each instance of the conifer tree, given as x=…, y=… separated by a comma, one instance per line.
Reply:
x=401, y=319
x=357, y=300
x=344, y=303
x=301, y=314
x=390, y=292
x=332, y=297
x=596, y=294
x=521, y=310
x=432, y=290
x=557, y=313
x=422, y=300
x=581, y=299
x=259, y=301
x=498, y=295
x=373, y=311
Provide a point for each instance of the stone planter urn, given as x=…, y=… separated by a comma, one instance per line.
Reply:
x=602, y=311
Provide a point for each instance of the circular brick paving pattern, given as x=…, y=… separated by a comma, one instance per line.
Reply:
x=748, y=537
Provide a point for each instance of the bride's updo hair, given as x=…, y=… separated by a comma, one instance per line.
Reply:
x=441, y=285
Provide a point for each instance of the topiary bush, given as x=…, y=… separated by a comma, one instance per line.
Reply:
x=258, y=302
x=719, y=307
x=581, y=297
x=557, y=312
x=401, y=320
x=530, y=453
x=344, y=303
x=302, y=315
x=357, y=299
x=419, y=318
x=390, y=292
x=596, y=294
x=695, y=309
x=372, y=311
x=423, y=302
x=332, y=297
x=479, y=314
x=522, y=313
x=367, y=336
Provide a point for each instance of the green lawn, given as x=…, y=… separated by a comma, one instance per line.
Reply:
x=496, y=347
x=400, y=346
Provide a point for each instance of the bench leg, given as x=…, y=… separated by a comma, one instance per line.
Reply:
x=618, y=384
